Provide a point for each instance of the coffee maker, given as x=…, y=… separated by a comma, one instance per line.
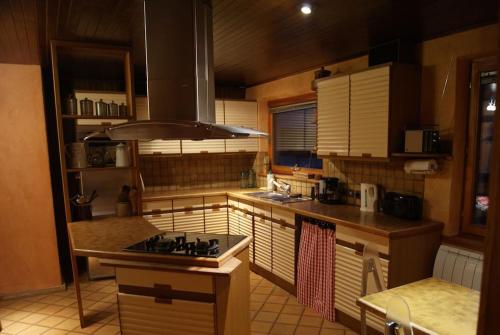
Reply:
x=331, y=191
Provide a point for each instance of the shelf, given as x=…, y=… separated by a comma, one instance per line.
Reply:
x=85, y=117
x=421, y=155
x=105, y=168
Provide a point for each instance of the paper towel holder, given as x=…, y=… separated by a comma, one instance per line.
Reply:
x=421, y=166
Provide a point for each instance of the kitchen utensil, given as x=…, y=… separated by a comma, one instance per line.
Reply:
x=113, y=109
x=71, y=105
x=87, y=107
x=369, y=197
x=122, y=155
x=77, y=155
x=101, y=108
x=122, y=109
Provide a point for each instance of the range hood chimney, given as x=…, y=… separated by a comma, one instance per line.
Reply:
x=180, y=79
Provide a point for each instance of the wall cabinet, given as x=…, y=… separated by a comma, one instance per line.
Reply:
x=242, y=114
x=364, y=114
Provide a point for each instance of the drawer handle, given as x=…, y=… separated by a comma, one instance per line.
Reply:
x=156, y=210
x=156, y=215
x=366, y=155
x=242, y=150
x=203, y=151
x=333, y=154
x=216, y=206
x=157, y=152
x=166, y=289
x=106, y=124
x=359, y=248
x=188, y=209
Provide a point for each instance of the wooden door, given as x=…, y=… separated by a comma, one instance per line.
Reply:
x=188, y=215
x=369, y=131
x=262, y=237
x=216, y=215
x=333, y=116
x=242, y=114
x=283, y=252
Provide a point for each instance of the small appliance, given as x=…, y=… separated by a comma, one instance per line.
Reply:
x=369, y=197
x=331, y=191
x=402, y=205
x=422, y=141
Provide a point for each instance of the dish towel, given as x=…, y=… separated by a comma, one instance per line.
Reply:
x=316, y=269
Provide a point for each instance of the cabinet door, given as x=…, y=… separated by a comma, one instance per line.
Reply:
x=188, y=215
x=369, y=135
x=233, y=217
x=156, y=206
x=246, y=228
x=164, y=221
x=216, y=215
x=145, y=315
x=262, y=236
x=348, y=280
x=283, y=252
x=242, y=114
x=155, y=146
x=333, y=116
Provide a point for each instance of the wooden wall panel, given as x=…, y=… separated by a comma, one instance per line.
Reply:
x=28, y=253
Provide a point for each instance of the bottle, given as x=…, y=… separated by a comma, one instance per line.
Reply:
x=252, y=178
x=270, y=179
x=244, y=179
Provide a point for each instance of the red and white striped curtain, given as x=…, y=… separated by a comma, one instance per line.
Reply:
x=316, y=269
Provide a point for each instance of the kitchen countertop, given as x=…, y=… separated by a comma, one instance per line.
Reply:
x=436, y=306
x=106, y=238
x=347, y=215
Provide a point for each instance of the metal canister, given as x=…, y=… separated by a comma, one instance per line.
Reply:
x=123, y=110
x=101, y=108
x=113, y=109
x=71, y=105
x=87, y=107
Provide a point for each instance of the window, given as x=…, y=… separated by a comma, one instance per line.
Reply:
x=479, y=143
x=294, y=136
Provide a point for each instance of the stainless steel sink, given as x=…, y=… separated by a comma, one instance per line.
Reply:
x=277, y=197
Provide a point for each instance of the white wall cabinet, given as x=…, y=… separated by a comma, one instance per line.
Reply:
x=365, y=113
x=333, y=116
x=242, y=114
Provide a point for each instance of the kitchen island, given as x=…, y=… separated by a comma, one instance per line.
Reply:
x=172, y=293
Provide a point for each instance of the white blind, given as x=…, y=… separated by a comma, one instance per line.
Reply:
x=295, y=127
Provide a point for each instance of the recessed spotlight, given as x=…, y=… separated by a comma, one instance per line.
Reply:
x=306, y=9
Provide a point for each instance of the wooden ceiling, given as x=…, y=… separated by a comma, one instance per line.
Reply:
x=254, y=40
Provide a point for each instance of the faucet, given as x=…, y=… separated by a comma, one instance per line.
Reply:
x=283, y=187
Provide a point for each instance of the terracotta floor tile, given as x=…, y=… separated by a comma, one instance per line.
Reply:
x=34, y=330
x=263, y=290
x=16, y=328
x=266, y=316
x=268, y=307
x=293, y=309
x=350, y=332
x=261, y=327
x=68, y=324
x=108, y=330
x=255, y=306
x=34, y=318
x=55, y=332
x=331, y=331
x=312, y=321
x=34, y=307
x=289, y=319
x=258, y=297
x=333, y=325
x=50, y=309
x=20, y=304
x=16, y=316
x=282, y=329
x=303, y=330
x=5, y=311
x=51, y=321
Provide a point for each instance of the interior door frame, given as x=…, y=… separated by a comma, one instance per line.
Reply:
x=489, y=308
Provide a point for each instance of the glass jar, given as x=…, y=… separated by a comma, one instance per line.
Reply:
x=244, y=179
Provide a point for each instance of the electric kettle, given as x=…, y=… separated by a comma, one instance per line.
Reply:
x=369, y=197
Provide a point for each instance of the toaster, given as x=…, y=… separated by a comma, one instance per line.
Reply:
x=402, y=205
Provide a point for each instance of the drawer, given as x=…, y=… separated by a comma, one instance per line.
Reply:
x=179, y=281
x=232, y=202
x=262, y=210
x=190, y=221
x=216, y=221
x=157, y=205
x=215, y=201
x=283, y=216
x=143, y=315
x=188, y=203
x=245, y=206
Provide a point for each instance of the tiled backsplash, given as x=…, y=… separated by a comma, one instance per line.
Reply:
x=164, y=173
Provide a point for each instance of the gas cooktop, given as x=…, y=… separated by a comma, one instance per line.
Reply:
x=187, y=244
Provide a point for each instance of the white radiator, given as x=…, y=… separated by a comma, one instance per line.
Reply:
x=459, y=266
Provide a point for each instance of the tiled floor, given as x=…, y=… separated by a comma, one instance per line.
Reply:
x=273, y=311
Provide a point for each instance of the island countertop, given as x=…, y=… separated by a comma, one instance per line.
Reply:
x=106, y=238
x=346, y=215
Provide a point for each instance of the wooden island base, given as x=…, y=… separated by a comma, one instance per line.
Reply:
x=160, y=298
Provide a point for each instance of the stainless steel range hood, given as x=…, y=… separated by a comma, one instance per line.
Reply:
x=180, y=79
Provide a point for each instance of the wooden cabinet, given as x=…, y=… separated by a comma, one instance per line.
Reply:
x=283, y=252
x=245, y=216
x=364, y=114
x=216, y=215
x=348, y=283
x=188, y=215
x=333, y=116
x=370, y=113
x=162, y=221
x=233, y=217
x=243, y=114
x=262, y=237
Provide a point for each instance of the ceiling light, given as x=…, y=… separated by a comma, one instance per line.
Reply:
x=306, y=9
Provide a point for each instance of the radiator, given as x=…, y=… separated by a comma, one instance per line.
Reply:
x=459, y=266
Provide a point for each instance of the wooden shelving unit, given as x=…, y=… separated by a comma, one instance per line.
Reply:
x=421, y=155
x=87, y=67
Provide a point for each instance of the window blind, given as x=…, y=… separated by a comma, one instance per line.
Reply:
x=295, y=128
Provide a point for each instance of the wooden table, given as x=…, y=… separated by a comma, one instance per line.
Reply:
x=436, y=306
